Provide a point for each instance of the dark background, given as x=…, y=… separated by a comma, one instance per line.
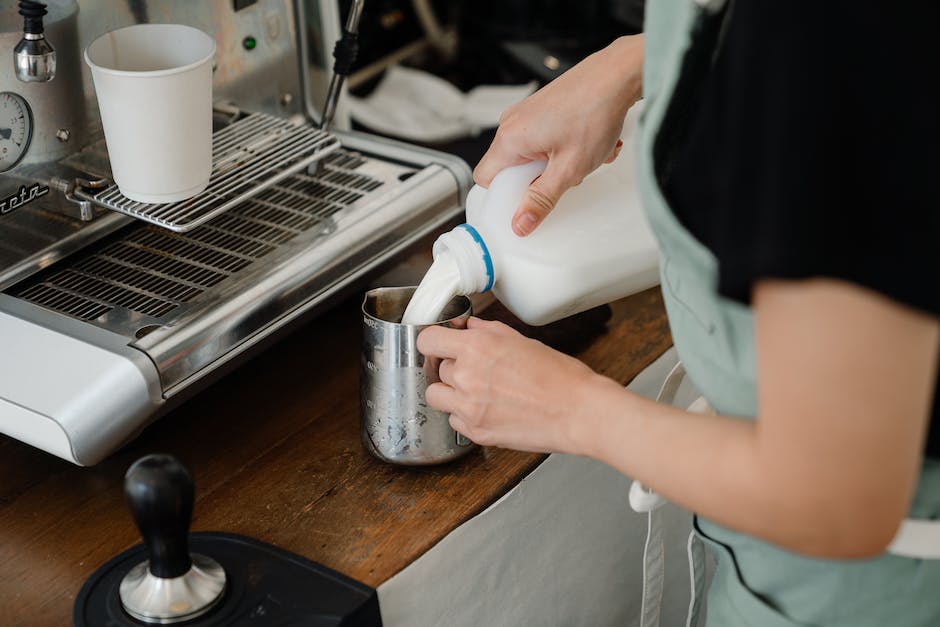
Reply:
x=499, y=42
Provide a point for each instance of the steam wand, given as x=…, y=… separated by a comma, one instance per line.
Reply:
x=33, y=56
x=344, y=54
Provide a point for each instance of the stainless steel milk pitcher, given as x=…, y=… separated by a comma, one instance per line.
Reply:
x=396, y=423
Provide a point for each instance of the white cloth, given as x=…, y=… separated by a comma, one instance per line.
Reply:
x=418, y=106
x=563, y=548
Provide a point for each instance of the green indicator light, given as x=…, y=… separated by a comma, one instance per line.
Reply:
x=249, y=43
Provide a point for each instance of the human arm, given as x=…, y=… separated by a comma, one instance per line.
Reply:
x=574, y=123
x=828, y=467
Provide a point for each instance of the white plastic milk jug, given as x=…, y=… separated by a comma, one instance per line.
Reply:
x=595, y=247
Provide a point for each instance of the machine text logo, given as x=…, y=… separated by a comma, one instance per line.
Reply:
x=25, y=196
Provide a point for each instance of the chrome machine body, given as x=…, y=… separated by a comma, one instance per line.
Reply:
x=106, y=321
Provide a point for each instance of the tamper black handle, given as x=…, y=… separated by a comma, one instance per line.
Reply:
x=160, y=494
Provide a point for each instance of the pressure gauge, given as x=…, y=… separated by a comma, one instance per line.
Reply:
x=16, y=129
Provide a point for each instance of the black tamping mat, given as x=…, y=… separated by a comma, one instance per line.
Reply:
x=266, y=587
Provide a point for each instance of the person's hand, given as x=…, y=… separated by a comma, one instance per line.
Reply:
x=503, y=389
x=574, y=123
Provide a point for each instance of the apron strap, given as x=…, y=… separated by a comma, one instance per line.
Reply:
x=696, y=551
x=919, y=539
x=654, y=571
x=643, y=499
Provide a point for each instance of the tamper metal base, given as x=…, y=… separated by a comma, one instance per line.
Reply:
x=155, y=600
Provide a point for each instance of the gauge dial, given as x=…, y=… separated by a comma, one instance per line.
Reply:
x=16, y=129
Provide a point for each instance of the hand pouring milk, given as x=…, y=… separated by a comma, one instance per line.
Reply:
x=585, y=253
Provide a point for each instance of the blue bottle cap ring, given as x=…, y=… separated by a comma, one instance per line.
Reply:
x=487, y=260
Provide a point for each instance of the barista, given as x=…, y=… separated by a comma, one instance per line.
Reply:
x=787, y=160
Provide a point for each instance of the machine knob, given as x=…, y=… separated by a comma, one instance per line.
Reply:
x=33, y=57
x=172, y=586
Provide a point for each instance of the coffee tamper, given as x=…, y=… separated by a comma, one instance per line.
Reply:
x=172, y=586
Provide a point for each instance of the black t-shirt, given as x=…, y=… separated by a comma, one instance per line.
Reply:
x=811, y=147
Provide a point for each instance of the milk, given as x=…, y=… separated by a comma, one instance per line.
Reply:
x=437, y=288
x=594, y=248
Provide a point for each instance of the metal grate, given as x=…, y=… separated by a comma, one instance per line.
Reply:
x=152, y=271
x=247, y=156
x=105, y=290
x=78, y=306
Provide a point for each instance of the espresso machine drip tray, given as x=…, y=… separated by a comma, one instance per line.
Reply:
x=248, y=156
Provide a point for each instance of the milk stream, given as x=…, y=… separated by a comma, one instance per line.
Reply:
x=436, y=289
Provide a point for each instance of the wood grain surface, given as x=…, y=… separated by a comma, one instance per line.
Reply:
x=275, y=454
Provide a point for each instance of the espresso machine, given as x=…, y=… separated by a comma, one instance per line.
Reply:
x=111, y=311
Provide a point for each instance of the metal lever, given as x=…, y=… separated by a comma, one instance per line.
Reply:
x=172, y=586
x=344, y=54
x=33, y=56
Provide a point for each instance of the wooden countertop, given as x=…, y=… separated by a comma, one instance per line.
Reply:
x=275, y=454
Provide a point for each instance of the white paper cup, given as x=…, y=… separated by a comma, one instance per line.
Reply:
x=154, y=87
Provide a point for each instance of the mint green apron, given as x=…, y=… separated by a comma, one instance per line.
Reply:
x=758, y=584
